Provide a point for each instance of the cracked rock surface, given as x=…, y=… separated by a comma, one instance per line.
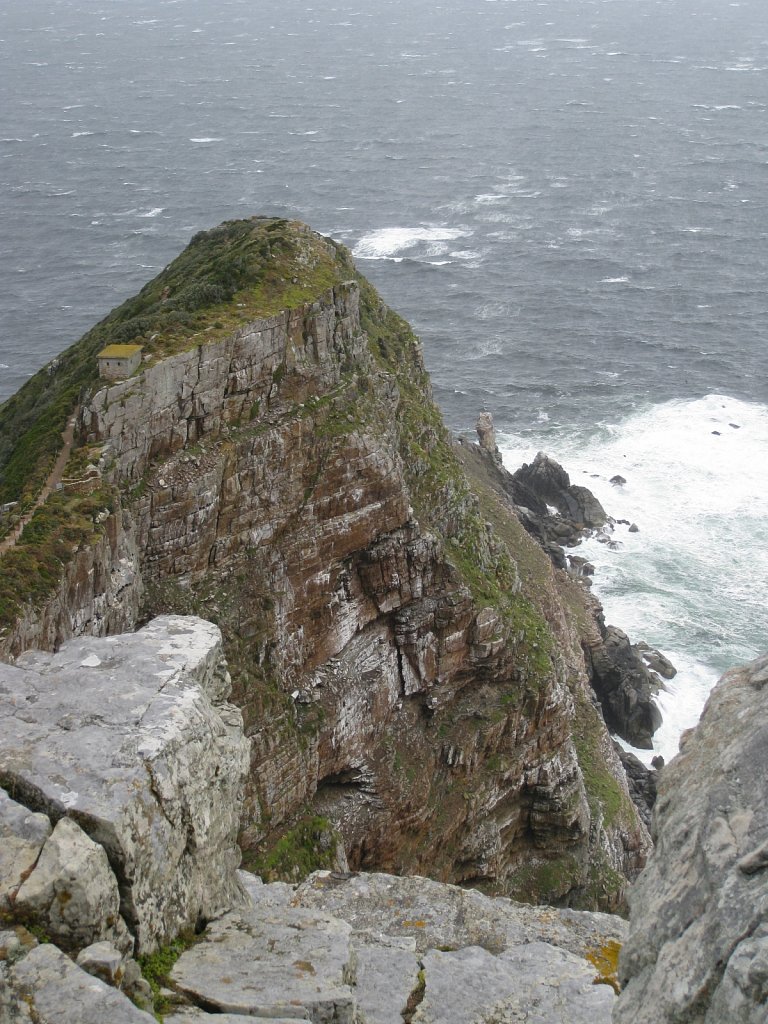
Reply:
x=698, y=946
x=377, y=949
x=128, y=746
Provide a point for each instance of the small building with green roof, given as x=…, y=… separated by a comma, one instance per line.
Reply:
x=119, y=361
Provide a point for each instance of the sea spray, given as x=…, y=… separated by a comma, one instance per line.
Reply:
x=692, y=580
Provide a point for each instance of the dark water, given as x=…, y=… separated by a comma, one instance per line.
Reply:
x=567, y=198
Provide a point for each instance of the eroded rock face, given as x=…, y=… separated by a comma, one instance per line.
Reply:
x=397, y=669
x=625, y=687
x=698, y=945
x=127, y=743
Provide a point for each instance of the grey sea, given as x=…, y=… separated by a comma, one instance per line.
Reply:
x=567, y=198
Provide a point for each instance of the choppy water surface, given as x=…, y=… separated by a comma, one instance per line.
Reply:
x=566, y=197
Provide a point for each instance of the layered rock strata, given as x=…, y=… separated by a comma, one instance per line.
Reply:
x=130, y=765
x=407, y=660
x=698, y=945
x=625, y=676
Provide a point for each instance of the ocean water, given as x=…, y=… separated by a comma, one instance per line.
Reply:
x=567, y=198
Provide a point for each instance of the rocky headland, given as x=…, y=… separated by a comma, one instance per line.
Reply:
x=418, y=680
x=408, y=660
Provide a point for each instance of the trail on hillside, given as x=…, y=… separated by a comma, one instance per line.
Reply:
x=52, y=481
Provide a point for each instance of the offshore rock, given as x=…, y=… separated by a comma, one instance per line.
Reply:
x=128, y=744
x=698, y=945
x=545, y=482
x=625, y=688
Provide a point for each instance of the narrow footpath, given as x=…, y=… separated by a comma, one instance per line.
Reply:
x=54, y=478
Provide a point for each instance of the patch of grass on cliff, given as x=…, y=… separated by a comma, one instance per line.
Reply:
x=546, y=882
x=31, y=571
x=605, y=796
x=235, y=273
x=308, y=846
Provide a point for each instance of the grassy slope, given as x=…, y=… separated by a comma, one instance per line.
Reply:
x=230, y=275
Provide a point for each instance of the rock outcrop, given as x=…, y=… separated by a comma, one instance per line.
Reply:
x=127, y=744
x=698, y=945
x=407, y=660
x=134, y=764
x=544, y=483
x=624, y=676
x=625, y=687
x=383, y=949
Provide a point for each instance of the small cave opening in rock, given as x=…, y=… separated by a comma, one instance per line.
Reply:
x=347, y=798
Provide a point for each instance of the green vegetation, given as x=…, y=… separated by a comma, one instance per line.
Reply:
x=226, y=277
x=156, y=967
x=605, y=796
x=545, y=882
x=32, y=569
x=309, y=846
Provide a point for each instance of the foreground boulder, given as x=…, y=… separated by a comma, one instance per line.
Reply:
x=698, y=946
x=127, y=746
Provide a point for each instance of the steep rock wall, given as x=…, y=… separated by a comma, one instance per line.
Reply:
x=407, y=661
x=698, y=945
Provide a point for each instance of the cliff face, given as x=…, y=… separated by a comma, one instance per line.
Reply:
x=408, y=663
x=125, y=762
x=698, y=945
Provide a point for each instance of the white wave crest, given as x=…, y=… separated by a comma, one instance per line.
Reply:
x=692, y=580
x=421, y=242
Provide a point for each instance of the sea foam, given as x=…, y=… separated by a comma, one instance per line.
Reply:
x=394, y=243
x=693, y=580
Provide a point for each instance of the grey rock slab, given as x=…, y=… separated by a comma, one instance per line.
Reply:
x=386, y=976
x=272, y=961
x=274, y=894
x=697, y=945
x=193, y=1015
x=437, y=915
x=56, y=991
x=72, y=892
x=128, y=735
x=534, y=984
x=22, y=835
x=103, y=961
